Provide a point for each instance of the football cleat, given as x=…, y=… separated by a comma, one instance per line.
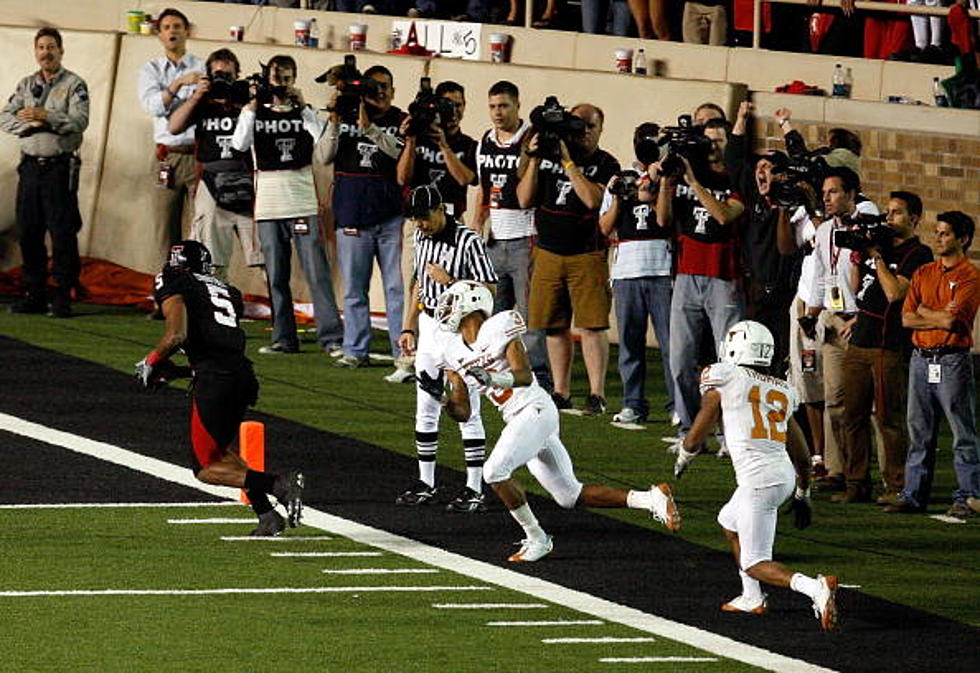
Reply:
x=683, y=461
x=467, y=501
x=420, y=493
x=532, y=550
x=288, y=490
x=746, y=606
x=825, y=603
x=271, y=524
x=663, y=508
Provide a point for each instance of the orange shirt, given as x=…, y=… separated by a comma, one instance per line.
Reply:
x=936, y=287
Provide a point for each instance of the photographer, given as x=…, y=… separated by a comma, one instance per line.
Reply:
x=281, y=129
x=876, y=360
x=224, y=198
x=703, y=206
x=641, y=273
x=361, y=141
x=571, y=274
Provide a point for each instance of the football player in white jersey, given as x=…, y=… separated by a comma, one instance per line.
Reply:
x=489, y=352
x=769, y=455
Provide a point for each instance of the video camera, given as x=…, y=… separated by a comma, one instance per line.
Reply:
x=684, y=140
x=870, y=232
x=553, y=123
x=646, y=144
x=809, y=168
x=428, y=109
x=352, y=85
x=224, y=86
x=627, y=186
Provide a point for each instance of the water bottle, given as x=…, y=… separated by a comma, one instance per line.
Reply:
x=839, y=83
x=640, y=63
x=313, y=40
x=939, y=93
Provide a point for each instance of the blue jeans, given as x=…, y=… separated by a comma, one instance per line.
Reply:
x=955, y=396
x=276, y=238
x=698, y=303
x=356, y=255
x=594, y=14
x=636, y=300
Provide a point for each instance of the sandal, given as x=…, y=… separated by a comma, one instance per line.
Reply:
x=544, y=22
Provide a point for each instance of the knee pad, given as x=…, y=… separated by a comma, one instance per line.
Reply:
x=567, y=496
x=495, y=471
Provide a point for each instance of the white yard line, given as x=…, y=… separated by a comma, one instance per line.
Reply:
x=191, y=522
x=547, y=591
x=110, y=505
x=604, y=639
x=553, y=622
x=236, y=590
x=488, y=606
x=281, y=538
x=651, y=660
x=383, y=571
x=321, y=554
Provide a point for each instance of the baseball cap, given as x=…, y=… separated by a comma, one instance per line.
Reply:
x=777, y=158
x=421, y=201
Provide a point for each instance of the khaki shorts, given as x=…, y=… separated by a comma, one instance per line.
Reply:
x=563, y=285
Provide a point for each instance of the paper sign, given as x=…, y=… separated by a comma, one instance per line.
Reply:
x=448, y=39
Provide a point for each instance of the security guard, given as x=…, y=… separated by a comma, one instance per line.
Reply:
x=48, y=112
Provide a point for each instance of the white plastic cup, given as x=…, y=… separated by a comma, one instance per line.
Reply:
x=357, y=36
x=301, y=33
x=624, y=60
x=498, y=47
x=236, y=33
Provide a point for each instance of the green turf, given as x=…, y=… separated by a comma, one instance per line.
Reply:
x=913, y=560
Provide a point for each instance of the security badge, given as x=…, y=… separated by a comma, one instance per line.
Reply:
x=835, y=296
x=301, y=226
x=935, y=374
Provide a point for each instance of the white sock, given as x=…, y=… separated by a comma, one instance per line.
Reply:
x=524, y=516
x=751, y=589
x=474, y=478
x=427, y=472
x=639, y=500
x=804, y=585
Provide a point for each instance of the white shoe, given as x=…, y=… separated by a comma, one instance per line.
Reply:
x=400, y=375
x=532, y=550
x=747, y=606
x=723, y=449
x=628, y=415
x=683, y=461
x=673, y=444
x=663, y=508
x=825, y=603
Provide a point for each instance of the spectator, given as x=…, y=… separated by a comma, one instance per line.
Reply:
x=362, y=143
x=571, y=273
x=704, y=206
x=165, y=83
x=641, y=277
x=652, y=19
x=887, y=34
x=705, y=112
x=281, y=129
x=48, y=112
x=595, y=15
x=510, y=241
x=940, y=307
x=876, y=361
x=705, y=22
x=492, y=11
x=224, y=198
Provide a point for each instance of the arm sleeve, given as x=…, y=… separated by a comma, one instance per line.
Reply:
x=244, y=134
x=966, y=298
x=477, y=262
x=912, y=296
x=326, y=148
x=389, y=144
x=607, y=200
x=150, y=91
x=312, y=123
x=715, y=376
x=819, y=272
x=795, y=145
x=75, y=120
x=8, y=118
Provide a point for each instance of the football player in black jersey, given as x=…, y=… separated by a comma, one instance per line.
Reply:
x=202, y=315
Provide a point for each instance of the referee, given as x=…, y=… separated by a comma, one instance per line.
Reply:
x=48, y=112
x=445, y=252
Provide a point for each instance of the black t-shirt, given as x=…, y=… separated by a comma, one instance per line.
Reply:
x=565, y=225
x=214, y=126
x=281, y=141
x=498, y=169
x=637, y=221
x=214, y=339
x=430, y=169
x=766, y=267
x=879, y=323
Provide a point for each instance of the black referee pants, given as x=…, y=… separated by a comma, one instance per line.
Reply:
x=48, y=204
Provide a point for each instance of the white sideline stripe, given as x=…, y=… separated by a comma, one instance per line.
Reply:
x=234, y=590
x=553, y=622
x=185, y=522
x=849, y=586
x=383, y=571
x=281, y=538
x=99, y=505
x=441, y=558
x=604, y=639
x=487, y=606
x=646, y=660
x=320, y=554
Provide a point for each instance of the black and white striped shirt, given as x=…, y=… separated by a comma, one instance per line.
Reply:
x=457, y=249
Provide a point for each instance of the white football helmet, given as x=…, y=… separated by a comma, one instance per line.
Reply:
x=462, y=298
x=747, y=343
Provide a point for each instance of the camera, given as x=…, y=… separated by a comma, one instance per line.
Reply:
x=809, y=168
x=553, y=123
x=428, y=109
x=627, y=186
x=352, y=85
x=646, y=146
x=225, y=87
x=870, y=232
x=684, y=140
x=264, y=89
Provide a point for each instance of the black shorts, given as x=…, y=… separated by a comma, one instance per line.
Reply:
x=218, y=403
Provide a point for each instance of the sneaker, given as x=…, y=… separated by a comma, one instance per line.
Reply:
x=723, y=449
x=271, y=524
x=400, y=376
x=818, y=470
x=889, y=498
x=663, y=507
x=467, y=501
x=595, y=405
x=288, y=490
x=32, y=303
x=563, y=403
x=825, y=603
x=743, y=605
x=420, y=493
x=673, y=444
x=902, y=507
x=974, y=504
x=684, y=460
x=628, y=415
x=61, y=304
x=532, y=550
x=352, y=362
x=960, y=510
x=278, y=348
x=334, y=350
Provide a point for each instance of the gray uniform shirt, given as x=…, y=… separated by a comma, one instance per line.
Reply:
x=65, y=98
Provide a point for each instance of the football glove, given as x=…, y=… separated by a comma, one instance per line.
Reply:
x=145, y=370
x=481, y=375
x=801, y=509
x=433, y=385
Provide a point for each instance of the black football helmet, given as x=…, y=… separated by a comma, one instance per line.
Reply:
x=190, y=256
